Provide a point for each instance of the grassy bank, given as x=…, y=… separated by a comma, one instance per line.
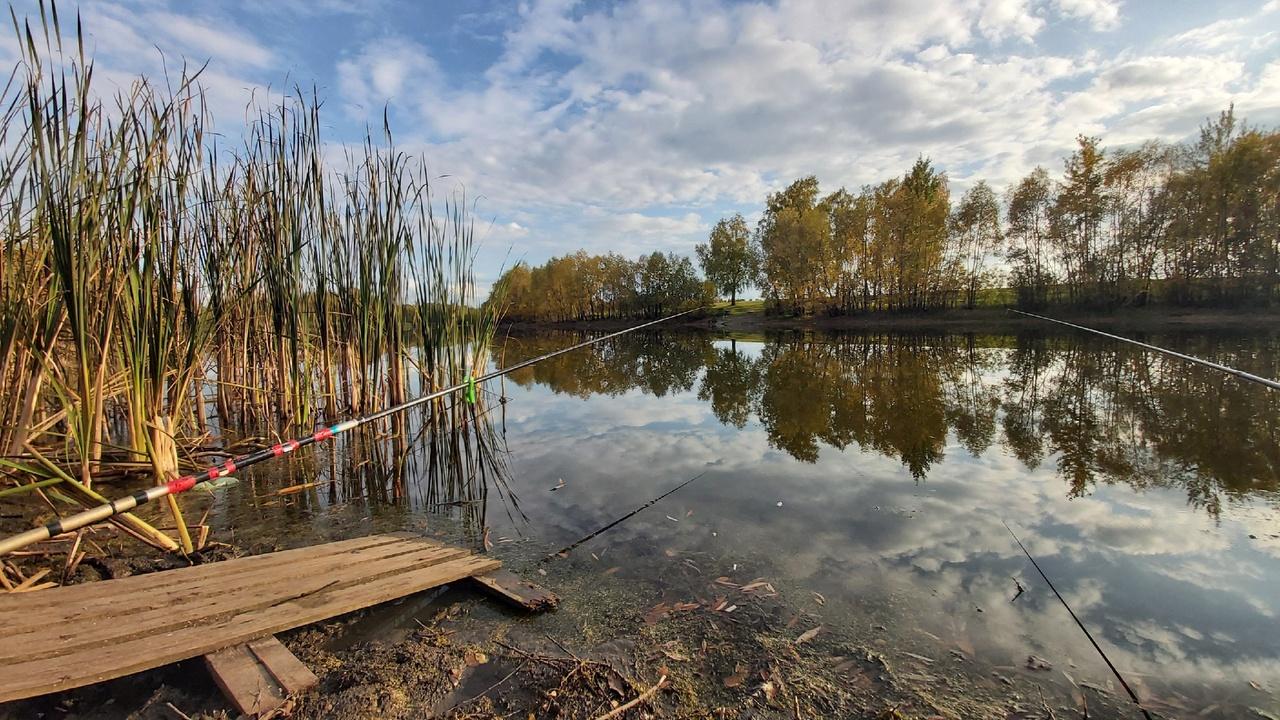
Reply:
x=751, y=316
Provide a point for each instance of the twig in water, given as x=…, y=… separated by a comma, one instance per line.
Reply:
x=490, y=689
x=617, y=712
x=1132, y=695
x=1045, y=704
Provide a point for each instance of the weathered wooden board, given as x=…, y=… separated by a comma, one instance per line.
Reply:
x=244, y=681
x=257, y=676
x=516, y=590
x=77, y=635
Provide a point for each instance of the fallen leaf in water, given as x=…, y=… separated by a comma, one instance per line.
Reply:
x=731, y=608
x=689, y=514
x=558, y=485
x=817, y=597
x=739, y=674
x=295, y=488
x=757, y=583
x=475, y=657
x=657, y=614
x=615, y=684
x=808, y=635
x=671, y=553
x=723, y=580
x=209, y=486
x=613, y=570
x=686, y=606
x=770, y=690
x=1038, y=663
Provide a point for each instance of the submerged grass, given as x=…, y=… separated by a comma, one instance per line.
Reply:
x=164, y=295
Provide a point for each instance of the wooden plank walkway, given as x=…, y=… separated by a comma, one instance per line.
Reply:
x=71, y=636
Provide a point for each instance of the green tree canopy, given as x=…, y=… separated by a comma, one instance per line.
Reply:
x=729, y=260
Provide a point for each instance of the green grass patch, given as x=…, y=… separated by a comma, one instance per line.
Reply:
x=744, y=307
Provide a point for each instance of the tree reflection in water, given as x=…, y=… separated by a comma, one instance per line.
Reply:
x=1101, y=412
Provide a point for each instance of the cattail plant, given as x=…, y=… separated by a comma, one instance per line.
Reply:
x=161, y=287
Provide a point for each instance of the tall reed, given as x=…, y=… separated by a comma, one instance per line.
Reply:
x=161, y=287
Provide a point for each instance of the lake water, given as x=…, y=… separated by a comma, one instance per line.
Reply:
x=868, y=480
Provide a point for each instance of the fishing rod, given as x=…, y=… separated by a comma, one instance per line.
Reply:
x=1189, y=358
x=563, y=552
x=1114, y=670
x=186, y=482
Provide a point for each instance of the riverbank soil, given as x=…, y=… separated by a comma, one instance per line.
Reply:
x=713, y=646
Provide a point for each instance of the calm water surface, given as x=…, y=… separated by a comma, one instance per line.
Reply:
x=877, y=472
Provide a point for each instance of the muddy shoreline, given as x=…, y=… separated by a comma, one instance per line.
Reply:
x=457, y=653
x=983, y=320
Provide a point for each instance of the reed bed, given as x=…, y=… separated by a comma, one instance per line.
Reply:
x=167, y=294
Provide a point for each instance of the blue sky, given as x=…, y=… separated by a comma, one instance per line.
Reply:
x=635, y=126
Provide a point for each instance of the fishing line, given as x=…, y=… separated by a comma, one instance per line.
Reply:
x=1189, y=358
x=1115, y=671
x=186, y=482
x=567, y=549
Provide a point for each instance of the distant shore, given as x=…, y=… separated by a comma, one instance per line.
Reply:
x=1148, y=319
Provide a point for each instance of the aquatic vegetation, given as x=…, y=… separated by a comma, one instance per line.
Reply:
x=168, y=294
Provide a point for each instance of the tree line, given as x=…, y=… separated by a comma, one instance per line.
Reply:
x=590, y=287
x=1194, y=223
x=1191, y=223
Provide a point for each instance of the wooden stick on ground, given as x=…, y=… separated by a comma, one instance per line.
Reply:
x=617, y=712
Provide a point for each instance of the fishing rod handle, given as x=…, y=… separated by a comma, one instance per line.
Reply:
x=67, y=524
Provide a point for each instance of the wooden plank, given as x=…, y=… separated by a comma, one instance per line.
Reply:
x=244, y=680
x=208, y=607
x=294, y=677
x=133, y=654
x=101, y=621
x=257, y=676
x=512, y=588
x=140, y=586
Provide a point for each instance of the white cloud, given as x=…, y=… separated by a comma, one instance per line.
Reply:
x=391, y=70
x=210, y=39
x=1009, y=18
x=1100, y=14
